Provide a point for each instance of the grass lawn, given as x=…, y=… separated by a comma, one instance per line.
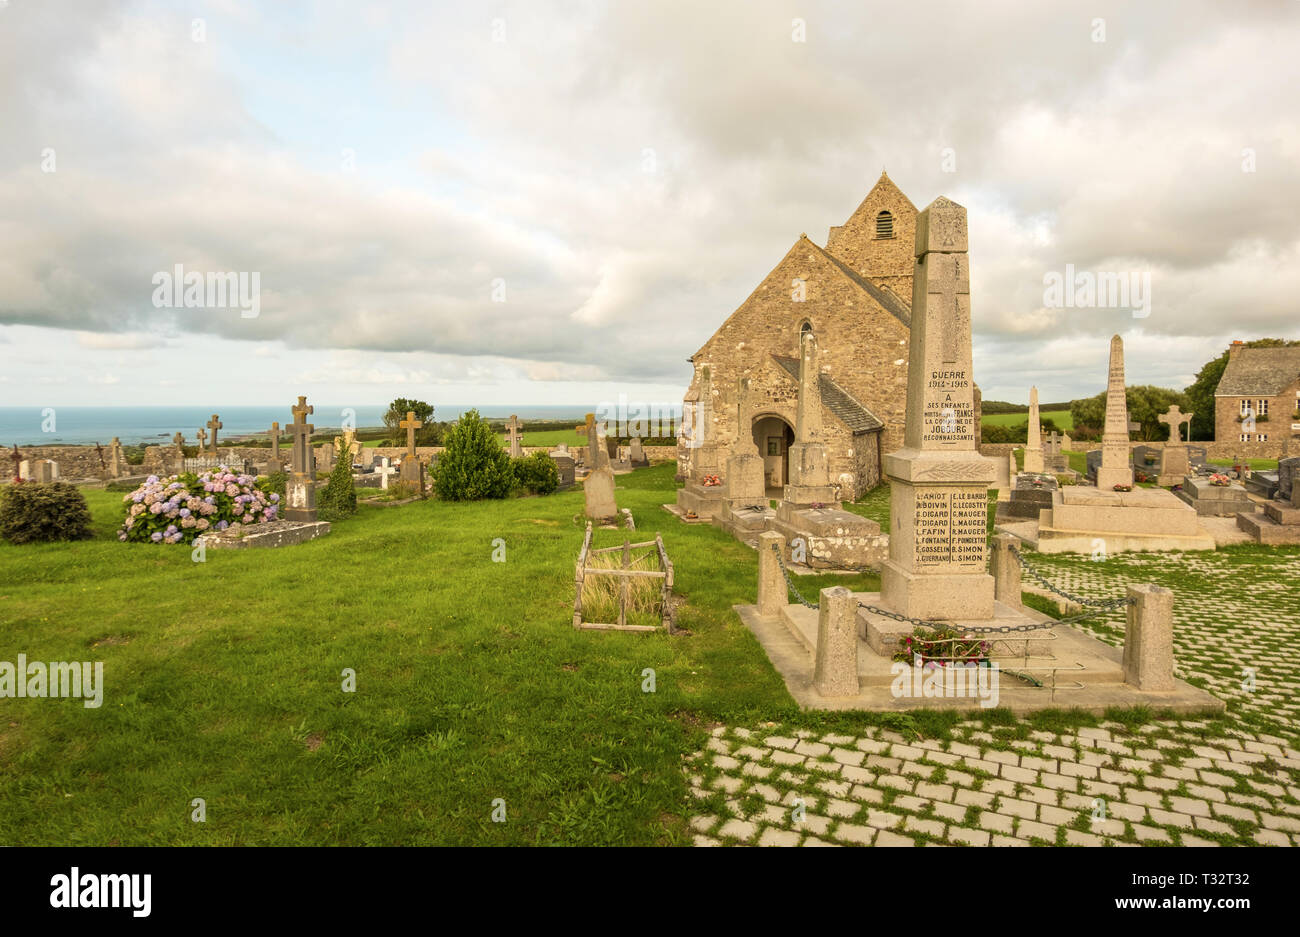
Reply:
x=550, y=438
x=223, y=681
x=1064, y=422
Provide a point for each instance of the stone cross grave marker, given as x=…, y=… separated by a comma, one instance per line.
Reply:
x=410, y=461
x=301, y=489
x=203, y=439
x=274, y=433
x=214, y=424
x=384, y=470
x=514, y=438
x=115, y=457
x=1174, y=418
x=938, y=481
x=17, y=459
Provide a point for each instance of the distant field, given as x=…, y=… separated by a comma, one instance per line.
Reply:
x=551, y=438
x=1061, y=418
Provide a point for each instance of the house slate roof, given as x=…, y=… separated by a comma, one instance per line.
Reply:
x=837, y=400
x=1260, y=372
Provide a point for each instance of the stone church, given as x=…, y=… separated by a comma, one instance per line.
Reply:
x=855, y=295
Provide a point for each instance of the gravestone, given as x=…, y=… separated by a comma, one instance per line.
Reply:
x=1197, y=457
x=214, y=424
x=178, y=453
x=937, y=565
x=47, y=471
x=1092, y=458
x=26, y=471
x=1032, y=493
x=273, y=462
x=1286, y=473
x=1115, y=468
x=300, y=489
x=1209, y=500
x=367, y=458
x=592, y=458
x=701, y=497
x=384, y=469
x=203, y=442
x=636, y=453
x=1054, y=459
x=744, y=510
x=17, y=459
x=598, y=496
x=1034, y=445
x=1146, y=459
x=514, y=438
x=810, y=481
x=325, y=457
x=116, y=461
x=564, y=467
x=412, y=471
x=1174, y=462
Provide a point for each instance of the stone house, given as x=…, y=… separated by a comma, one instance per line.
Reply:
x=1263, y=383
x=855, y=294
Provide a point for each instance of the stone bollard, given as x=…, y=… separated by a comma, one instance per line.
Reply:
x=1006, y=571
x=1149, y=638
x=836, y=669
x=773, y=594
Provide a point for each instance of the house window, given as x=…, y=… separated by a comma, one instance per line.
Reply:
x=1245, y=407
x=1245, y=437
x=1262, y=409
x=1262, y=437
x=884, y=225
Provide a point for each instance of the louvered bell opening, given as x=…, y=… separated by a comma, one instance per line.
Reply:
x=884, y=225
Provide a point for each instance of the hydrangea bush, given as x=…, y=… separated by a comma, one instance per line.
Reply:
x=179, y=508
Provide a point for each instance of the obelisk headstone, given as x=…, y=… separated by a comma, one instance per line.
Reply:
x=746, y=485
x=1034, y=445
x=939, y=482
x=1116, y=467
x=300, y=489
x=810, y=481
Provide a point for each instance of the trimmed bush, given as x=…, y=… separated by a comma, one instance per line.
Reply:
x=474, y=466
x=537, y=473
x=43, y=513
x=339, y=499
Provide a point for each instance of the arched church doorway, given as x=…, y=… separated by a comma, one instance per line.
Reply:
x=773, y=436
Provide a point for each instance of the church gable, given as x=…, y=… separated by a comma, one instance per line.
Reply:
x=878, y=240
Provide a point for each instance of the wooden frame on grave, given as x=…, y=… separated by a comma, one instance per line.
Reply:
x=626, y=575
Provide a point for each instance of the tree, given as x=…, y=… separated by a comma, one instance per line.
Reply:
x=473, y=466
x=1145, y=403
x=1200, y=393
x=426, y=435
x=339, y=499
x=537, y=473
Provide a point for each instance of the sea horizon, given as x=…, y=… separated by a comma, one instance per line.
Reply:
x=88, y=425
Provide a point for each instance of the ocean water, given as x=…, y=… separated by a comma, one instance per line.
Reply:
x=53, y=426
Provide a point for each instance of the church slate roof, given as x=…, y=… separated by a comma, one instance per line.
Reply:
x=1259, y=372
x=837, y=400
x=887, y=300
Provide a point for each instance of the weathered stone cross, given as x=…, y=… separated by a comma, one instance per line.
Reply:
x=203, y=438
x=179, y=440
x=1174, y=418
x=513, y=438
x=410, y=424
x=275, y=440
x=384, y=470
x=301, y=431
x=214, y=424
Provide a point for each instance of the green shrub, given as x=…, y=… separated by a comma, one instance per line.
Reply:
x=275, y=483
x=339, y=499
x=35, y=513
x=474, y=466
x=537, y=473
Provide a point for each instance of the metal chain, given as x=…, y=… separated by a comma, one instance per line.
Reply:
x=1098, y=608
x=1076, y=599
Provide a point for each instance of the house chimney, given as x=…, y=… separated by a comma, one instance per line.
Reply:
x=1236, y=346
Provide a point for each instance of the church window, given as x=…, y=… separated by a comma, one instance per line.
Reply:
x=884, y=225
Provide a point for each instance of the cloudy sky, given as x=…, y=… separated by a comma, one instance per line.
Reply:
x=553, y=203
